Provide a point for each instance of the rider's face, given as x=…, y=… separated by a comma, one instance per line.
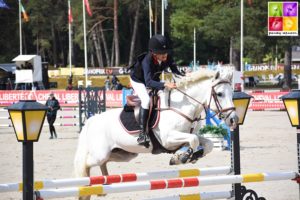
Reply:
x=161, y=57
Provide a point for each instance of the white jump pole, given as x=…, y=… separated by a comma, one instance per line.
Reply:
x=118, y=178
x=164, y=184
x=201, y=195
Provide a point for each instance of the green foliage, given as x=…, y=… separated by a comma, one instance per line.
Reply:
x=214, y=130
x=216, y=22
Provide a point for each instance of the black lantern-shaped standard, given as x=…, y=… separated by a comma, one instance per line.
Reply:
x=27, y=118
x=292, y=105
x=241, y=102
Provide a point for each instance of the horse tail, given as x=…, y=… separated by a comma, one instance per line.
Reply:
x=80, y=165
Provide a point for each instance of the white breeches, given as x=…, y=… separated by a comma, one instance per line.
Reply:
x=142, y=93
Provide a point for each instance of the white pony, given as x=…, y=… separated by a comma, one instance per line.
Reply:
x=103, y=138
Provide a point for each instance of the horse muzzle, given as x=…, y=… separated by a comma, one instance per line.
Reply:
x=232, y=120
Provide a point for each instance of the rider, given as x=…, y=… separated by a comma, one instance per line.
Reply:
x=146, y=73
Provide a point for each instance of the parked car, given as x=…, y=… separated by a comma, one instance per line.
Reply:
x=279, y=79
x=251, y=81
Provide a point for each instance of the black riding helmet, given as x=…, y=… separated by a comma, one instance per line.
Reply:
x=158, y=44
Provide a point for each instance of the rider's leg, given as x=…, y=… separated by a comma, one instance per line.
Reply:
x=143, y=138
x=141, y=91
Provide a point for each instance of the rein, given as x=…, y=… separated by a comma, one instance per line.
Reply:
x=213, y=95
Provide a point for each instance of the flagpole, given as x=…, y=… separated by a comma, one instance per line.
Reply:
x=194, y=49
x=70, y=39
x=162, y=17
x=85, y=48
x=150, y=16
x=242, y=42
x=20, y=26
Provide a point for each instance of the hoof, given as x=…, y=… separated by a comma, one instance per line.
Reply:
x=196, y=155
x=174, y=160
x=186, y=156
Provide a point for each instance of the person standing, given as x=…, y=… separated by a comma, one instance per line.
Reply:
x=114, y=82
x=107, y=83
x=53, y=107
x=146, y=73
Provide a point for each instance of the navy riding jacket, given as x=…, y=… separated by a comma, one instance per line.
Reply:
x=147, y=70
x=54, y=104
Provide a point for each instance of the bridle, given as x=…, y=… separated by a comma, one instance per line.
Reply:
x=219, y=112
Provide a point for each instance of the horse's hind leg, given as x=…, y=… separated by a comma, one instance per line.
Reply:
x=103, y=169
x=87, y=173
x=206, y=144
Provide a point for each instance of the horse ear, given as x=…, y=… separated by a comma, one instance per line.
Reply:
x=217, y=76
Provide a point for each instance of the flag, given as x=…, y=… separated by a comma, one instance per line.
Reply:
x=3, y=4
x=165, y=4
x=88, y=9
x=70, y=16
x=25, y=16
x=151, y=14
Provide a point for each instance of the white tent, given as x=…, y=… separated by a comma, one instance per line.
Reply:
x=28, y=75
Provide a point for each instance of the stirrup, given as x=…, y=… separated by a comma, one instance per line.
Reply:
x=143, y=139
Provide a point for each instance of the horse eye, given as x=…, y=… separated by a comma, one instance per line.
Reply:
x=219, y=94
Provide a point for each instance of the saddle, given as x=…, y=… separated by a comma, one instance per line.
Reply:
x=130, y=115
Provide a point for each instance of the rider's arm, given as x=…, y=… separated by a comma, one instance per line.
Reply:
x=146, y=65
x=173, y=66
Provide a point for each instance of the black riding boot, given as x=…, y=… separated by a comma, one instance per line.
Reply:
x=143, y=138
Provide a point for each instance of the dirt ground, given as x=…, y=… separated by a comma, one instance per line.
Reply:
x=268, y=144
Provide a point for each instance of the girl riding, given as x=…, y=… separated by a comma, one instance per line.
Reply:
x=146, y=73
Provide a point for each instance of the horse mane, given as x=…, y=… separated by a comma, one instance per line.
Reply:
x=200, y=75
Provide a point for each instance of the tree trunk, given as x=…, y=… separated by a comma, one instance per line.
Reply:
x=61, y=46
x=135, y=26
x=98, y=49
x=116, y=33
x=236, y=59
x=287, y=84
x=24, y=42
x=231, y=51
x=155, y=17
x=54, y=45
x=112, y=53
x=104, y=45
x=101, y=64
x=37, y=44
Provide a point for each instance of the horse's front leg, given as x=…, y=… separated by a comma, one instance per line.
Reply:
x=176, y=139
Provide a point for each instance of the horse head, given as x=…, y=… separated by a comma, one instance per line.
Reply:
x=211, y=90
x=220, y=100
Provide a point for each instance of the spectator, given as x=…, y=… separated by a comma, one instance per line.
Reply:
x=107, y=83
x=114, y=82
x=119, y=86
x=53, y=107
x=70, y=82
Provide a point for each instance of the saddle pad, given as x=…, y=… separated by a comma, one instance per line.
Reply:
x=131, y=126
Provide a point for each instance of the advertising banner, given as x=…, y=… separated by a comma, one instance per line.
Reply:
x=266, y=101
x=65, y=98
